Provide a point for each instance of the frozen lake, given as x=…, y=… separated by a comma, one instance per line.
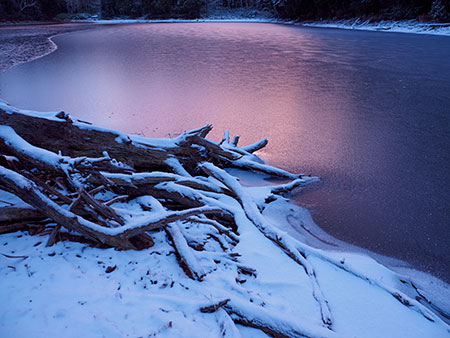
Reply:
x=368, y=112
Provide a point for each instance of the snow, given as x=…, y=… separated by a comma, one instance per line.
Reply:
x=177, y=167
x=74, y=296
x=75, y=290
x=304, y=287
x=7, y=199
x=405, y=26
x=10, y=138
x=66, y=289
x=244, y=162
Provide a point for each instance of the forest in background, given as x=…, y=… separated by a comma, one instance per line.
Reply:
x=423, y=10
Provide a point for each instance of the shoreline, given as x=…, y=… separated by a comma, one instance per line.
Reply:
x=46, y=35
x=401, y=26
x=26, y=41
x=359, y=266
x=404, y=26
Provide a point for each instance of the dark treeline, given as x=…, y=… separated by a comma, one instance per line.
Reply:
x=377, y=9
x=437, y=10
x=79, y=9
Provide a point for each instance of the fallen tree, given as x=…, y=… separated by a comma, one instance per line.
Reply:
x=82, y=178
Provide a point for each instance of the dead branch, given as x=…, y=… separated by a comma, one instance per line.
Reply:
x=13, y=227
x=215, y=306
x=116, y=199
x=251, y=148
x=102, y=209
x=219, y=227
x=287, y=188
x=14, y=214
x=227, y=327
x=116, y=237
x=254, y=215
x=184, y=253
x=53, y=234
x=235, y=141
x=273, y=324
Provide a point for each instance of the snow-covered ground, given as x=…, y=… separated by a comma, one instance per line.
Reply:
x=69, y=290
x=405, y=26
x=72, y=289
x=25, y=42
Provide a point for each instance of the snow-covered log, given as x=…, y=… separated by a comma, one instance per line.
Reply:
x=251, y=148
x=299, y=252
x=12, y=213
x=117, y=237
x=274, y=324
x=184, y=252
x=75, y=138
x=254, y=215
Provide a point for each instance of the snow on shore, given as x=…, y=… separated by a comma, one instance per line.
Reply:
x=268, y=277
x=22, y=43
x=68, y=291
x=405, y=26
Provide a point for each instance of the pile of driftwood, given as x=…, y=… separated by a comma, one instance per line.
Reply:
x=57, y=165
x=71, y=175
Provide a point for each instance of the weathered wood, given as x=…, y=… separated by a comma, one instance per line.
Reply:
x=251, y=148
x=227, y=327
x=215, y=306
x=284, y=189
x=13, y=227
x=15, y=214
x=246, y=164
x=48, y=188
x=139, y=183
x=60, y=132
x=253, y=214
x=226, y=137
x=117, y=237
x=104, y=210
x=184, y=253
x=116, y=199
x=215, y=150
x=274, y=324
x=53, y=234
x=29, y=155
x=96, y=190
x=235, y=141
x=165, y=178
x=219, y=227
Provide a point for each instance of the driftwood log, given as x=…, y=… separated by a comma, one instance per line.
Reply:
x=56, y=164
x=73, y=178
